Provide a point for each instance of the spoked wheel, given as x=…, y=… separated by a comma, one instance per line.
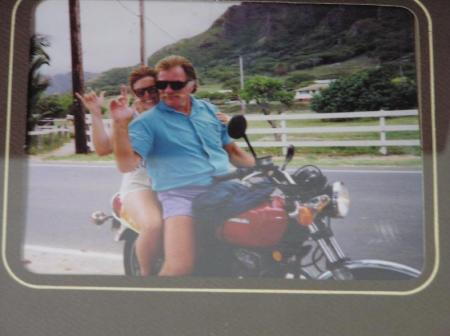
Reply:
x=378, y=274
x=130, y=260
x=376, y=270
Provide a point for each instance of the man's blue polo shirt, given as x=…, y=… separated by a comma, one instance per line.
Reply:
x=181, y=150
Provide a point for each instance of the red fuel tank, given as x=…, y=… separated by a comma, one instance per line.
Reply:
x=262, y=226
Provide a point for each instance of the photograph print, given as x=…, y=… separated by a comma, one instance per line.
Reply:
x=224, y=139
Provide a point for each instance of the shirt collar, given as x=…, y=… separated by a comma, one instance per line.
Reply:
x=194, y=104
x=163, y=107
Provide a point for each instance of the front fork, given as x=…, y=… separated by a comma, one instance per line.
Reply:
x=333, y=253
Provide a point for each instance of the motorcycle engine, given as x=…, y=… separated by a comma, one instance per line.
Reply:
x=310, y=180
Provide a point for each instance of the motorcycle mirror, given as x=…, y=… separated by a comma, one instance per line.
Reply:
x=289, y=155
x=237, y=126
x=236, y=129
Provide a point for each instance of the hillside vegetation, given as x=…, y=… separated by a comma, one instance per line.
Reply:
x=283, y=40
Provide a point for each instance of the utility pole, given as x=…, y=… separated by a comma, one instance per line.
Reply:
x=142, y=28
x=77, y=78
x=241, y=72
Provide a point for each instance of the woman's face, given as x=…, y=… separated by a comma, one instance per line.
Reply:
x=146, y=94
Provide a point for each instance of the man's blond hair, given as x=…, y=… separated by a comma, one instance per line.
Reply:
x=172, y=61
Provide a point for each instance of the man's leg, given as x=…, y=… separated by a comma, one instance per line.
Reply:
x=179, y=246
x=143, y=208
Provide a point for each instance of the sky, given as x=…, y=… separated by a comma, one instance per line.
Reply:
x=110, y=29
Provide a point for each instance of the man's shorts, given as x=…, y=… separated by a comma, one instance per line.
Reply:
x=135, y=180
x=178, y=202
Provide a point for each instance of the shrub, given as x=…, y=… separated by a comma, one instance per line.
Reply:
x=367, y=90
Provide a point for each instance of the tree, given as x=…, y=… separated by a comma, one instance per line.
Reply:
x=53, y=106
x=297, y=78
x=233, y=84
x=368, y=90
x=37, y=83
x=265, y=90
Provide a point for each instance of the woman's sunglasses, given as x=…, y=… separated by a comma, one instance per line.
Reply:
x=174, y=85
x=151, y=90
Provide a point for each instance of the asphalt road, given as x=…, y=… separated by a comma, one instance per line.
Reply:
x=385, y=220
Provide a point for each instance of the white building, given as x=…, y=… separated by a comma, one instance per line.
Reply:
x=307, y=92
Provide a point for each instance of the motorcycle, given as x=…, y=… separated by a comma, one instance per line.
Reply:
x=287, y=235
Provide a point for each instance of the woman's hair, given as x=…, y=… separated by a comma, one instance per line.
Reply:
x=140, y=72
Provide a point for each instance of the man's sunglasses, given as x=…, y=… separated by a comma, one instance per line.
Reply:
x=174, y=85
x=151, y=90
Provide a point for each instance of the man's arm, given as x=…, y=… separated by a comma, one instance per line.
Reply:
x=238, y=157
x=126, y=159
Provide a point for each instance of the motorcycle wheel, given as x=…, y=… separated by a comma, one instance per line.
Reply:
x=376, y=270
x=130, y=261
x=377, y=274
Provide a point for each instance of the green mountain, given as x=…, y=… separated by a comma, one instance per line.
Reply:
x=287, y=39
x=62, y=83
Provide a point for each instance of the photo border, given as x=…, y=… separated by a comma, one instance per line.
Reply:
x=433, y=194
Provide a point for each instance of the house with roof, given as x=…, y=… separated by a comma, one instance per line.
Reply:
x=305, y=94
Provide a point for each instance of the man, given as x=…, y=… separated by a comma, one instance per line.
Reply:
x=184, y=145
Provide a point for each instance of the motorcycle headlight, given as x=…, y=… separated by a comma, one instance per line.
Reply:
x=340, y=200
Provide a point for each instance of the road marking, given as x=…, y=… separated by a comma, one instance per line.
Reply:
x=333, y=170
x=372, y=171
x=51, y=165
x=72, y=252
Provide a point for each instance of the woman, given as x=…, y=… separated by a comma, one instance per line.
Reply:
x=138, y=199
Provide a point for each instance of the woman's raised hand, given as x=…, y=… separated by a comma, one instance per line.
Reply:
x=223, y=118
x=92, y=102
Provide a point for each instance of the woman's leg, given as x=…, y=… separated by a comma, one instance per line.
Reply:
x=143, y=208
x=179, y=246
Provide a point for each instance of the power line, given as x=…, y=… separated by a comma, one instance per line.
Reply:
x=126, y=8
x=160, y=28
x=149, y=20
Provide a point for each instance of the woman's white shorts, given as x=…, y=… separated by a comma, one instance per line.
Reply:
x=134, y=181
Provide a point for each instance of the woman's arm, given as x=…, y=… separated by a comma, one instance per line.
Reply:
x=100, y=138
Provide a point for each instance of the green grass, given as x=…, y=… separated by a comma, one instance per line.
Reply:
x=403, y=161
x=210, y=87
x=91, y=157
x=46, y=143
x=342, y=151
x=326, y=159
x=339, y=69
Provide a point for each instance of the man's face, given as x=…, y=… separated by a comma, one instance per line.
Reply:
x=145, y=92
x=176, y=99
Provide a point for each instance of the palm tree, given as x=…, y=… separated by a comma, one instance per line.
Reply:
x=37, y=83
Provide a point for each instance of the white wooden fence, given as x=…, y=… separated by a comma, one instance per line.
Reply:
x=59, y=128
x=381, y=127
